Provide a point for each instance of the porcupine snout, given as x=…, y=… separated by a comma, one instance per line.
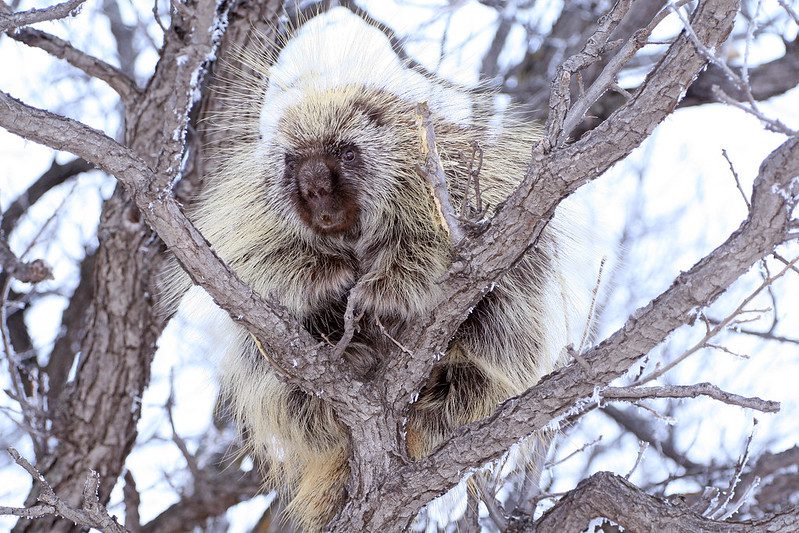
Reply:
x=317, y=184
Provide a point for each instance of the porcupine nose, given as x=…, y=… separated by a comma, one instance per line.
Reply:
x=316, y=185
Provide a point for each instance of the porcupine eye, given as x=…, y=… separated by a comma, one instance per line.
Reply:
x=348, y=155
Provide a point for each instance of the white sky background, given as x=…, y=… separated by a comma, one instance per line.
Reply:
x=678, y=183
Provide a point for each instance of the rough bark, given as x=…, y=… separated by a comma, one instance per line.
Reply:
x=610, y=496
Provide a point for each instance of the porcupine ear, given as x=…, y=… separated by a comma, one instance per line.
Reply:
x=372, y=112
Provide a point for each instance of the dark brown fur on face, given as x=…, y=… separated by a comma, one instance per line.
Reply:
x=323, y=184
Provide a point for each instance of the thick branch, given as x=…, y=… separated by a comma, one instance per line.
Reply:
x=610, y=496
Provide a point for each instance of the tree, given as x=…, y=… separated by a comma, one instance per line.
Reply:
x=88, y=422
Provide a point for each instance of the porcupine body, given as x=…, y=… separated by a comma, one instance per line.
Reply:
x=318, y=191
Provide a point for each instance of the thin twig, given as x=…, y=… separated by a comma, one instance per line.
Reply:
x=592, y=308
x=736, y=478
x=92, y=514
x=737, y=179
x=392, y=339
x=712, y=332
x=351, y=320
x=741, y=82
x=191, y=461
x=575, y=452
x=496, y=512
x=642, y=447
x=690, y=391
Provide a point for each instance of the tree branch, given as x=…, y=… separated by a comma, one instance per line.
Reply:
x=642, y=430
x=54, y=176
x=9, y=21
x=227, y=487
x=92, y=513
x=769, y=79
x=689, y=391
x=609, y=496
x=92, y=66
x=29, y=272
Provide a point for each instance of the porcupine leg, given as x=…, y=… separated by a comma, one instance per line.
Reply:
x=498, y=352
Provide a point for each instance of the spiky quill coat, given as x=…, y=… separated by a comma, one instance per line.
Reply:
x=338, y=82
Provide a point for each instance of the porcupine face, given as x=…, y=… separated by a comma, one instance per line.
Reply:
x=338, y=165
x=323, y=180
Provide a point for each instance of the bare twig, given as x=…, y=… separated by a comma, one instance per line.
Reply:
x=33, y=416
x=54, y=176
x=473, y=177
x=772, y=124
x=351, y=319
x=9, y=21
x=765, y=335
x=591, y=310
x=642, y=447
x=720, y=326
x=737, y=179
x=92, y=514
x=191, y=461
x=641, y=428
x=741, y=81
x=392, y=339
x=690, y=391
x=496, y=511
x=579, y=450
x=721, y=512
x=92, y=66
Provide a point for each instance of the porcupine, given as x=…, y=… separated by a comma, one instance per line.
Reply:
x=318, y=189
